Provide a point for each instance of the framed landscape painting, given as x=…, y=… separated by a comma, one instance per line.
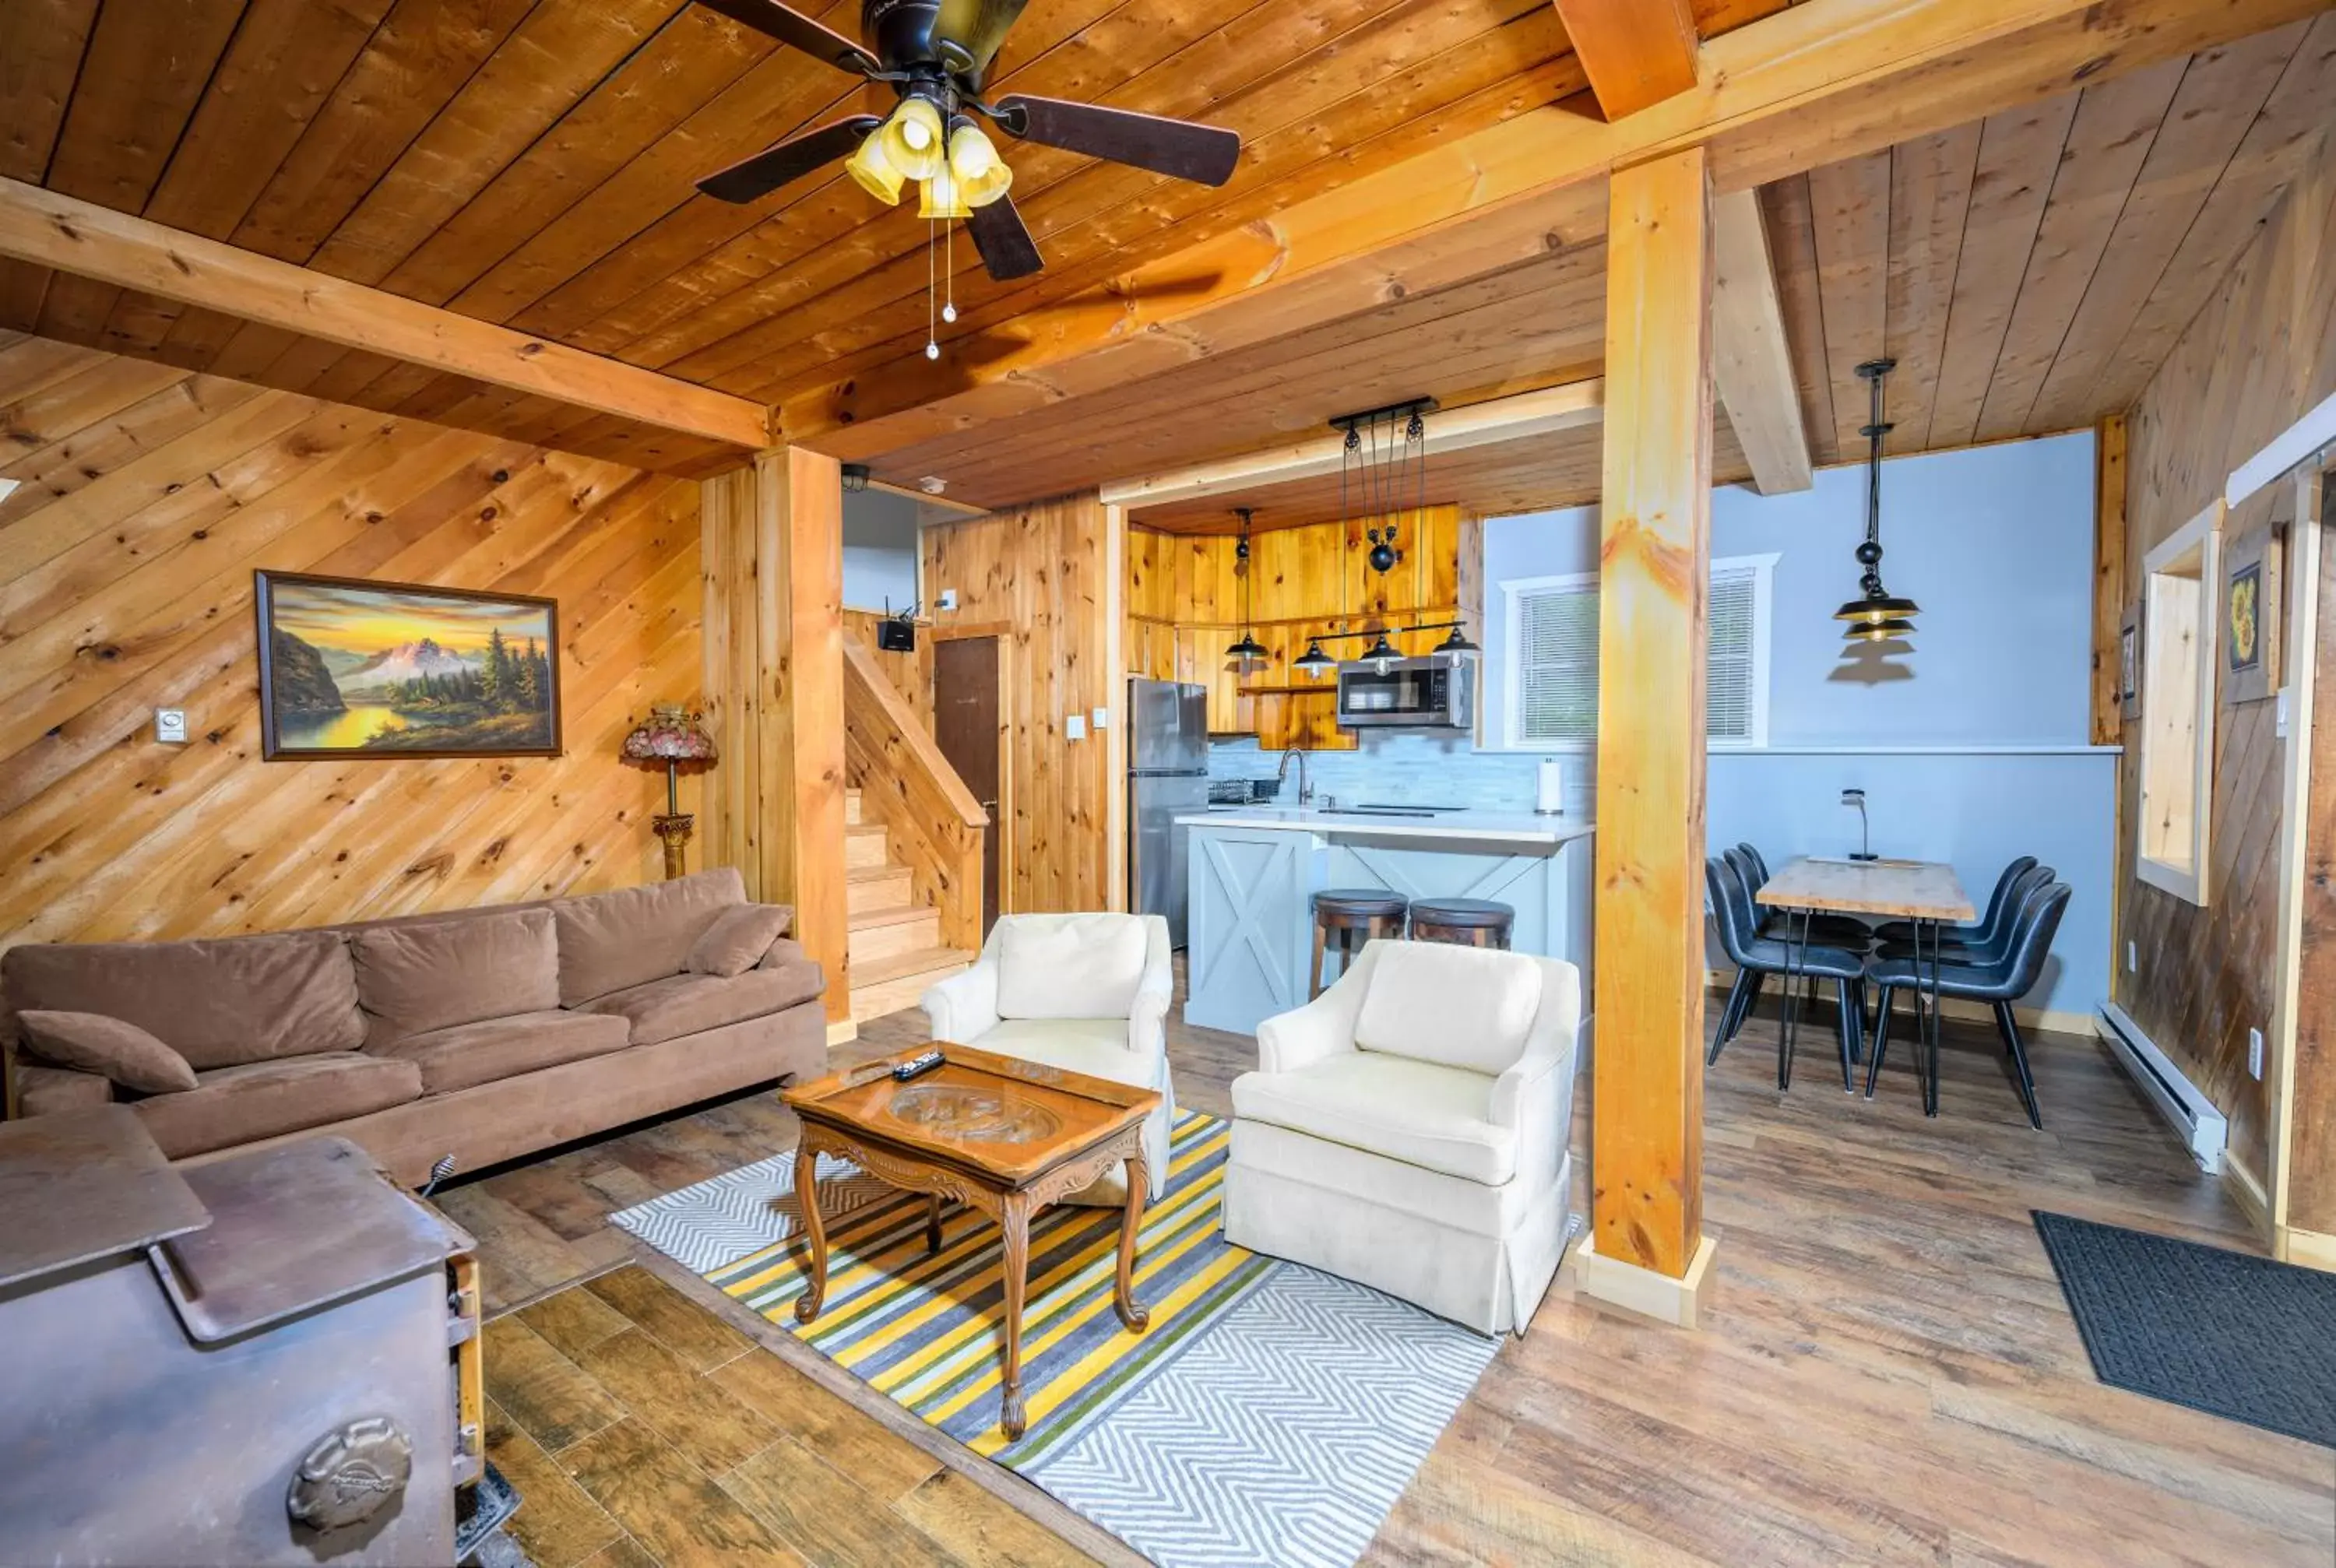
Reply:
x=389, y=669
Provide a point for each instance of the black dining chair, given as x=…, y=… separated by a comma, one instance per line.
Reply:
x=1756, y=956
x=1985, y=943
x=2001, y=905
x=1833, y=930
x=1998, y=984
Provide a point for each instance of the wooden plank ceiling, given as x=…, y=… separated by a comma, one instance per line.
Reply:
x=529, y=162
x=2029, y=273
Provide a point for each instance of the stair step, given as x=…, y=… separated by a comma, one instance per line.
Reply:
x=874, y=887
x=866, y=845
x=852, y=808
x=891, y=931
x=889, y=984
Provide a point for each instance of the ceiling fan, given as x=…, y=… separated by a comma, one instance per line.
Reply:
x=934, y=55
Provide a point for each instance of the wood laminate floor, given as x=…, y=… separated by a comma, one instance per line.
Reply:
x=1888, y=1374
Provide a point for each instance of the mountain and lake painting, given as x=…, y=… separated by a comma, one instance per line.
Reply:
x=360, y=669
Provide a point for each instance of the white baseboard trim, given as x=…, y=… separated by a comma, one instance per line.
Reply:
x=2312, y=1249
x=2052, y=1019
x=2204, y=1130
x=841, y=1032
x=1677, y=1302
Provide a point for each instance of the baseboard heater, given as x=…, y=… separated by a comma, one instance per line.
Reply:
x=2202, y=1129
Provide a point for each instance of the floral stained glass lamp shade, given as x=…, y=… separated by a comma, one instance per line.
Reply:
x=671, y=739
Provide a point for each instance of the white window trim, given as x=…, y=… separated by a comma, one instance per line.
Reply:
x=1515, y=591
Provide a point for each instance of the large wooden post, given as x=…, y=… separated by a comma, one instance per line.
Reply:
x=772, y=538
x=1648, y=1250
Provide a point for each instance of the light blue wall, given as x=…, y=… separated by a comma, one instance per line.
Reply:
x=1995, y=542
x=879, y=549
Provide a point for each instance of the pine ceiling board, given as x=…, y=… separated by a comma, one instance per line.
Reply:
x=2017, y=151
x=2293, y=122
x=692, y=59
x=1930, y=204
x=23, y=288
x=40, y=54
x=1473, y=83
x=2116, y=125
x=550, y=62
x=140, y=322
x=832, y=217
x=1792, y=250
x=1850, y=204
x=2219, y=98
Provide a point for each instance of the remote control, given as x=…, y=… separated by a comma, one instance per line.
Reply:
x=918, y=1067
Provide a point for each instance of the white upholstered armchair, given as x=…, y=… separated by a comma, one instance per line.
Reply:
x=1087, y=992
x=1406, y=1129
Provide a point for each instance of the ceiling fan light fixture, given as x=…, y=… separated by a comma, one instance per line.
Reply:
x=981, y=176
x=941, y=197
x=914, y=142
x=873, y=171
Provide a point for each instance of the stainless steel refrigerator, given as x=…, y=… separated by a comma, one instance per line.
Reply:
x=1167, y=777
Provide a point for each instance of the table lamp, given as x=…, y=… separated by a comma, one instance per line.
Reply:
x=1864, y=851
x=671, y=739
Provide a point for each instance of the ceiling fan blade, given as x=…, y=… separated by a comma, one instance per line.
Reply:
x=977, y=27
x=1007, y=252
x=1205, y=153
x=790, y=160
x=797, y=31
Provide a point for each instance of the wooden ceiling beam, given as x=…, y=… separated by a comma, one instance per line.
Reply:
x=1636, y=52
x=90, y=241
x=1823, y=81
x=1751, y=362
x=1503, y=419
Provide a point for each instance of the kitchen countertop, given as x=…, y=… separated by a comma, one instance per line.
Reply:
x=1512, y=827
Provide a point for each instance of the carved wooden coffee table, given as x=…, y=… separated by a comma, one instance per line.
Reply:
x=1005, y=1136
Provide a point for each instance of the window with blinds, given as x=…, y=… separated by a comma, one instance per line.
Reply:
x=1552, y=656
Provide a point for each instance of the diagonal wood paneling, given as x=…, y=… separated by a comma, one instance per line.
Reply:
x=149, y=497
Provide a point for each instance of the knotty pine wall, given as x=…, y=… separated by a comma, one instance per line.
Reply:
x=1048, y=578
x=2261, y=352
x=149, y=496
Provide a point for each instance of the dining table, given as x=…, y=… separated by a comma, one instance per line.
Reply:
x=1926, y=893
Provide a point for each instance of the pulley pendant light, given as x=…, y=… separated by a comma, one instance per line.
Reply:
x=1248, y=650
x=1877, y=615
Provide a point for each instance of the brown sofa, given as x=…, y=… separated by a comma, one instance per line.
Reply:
x=483, y=1034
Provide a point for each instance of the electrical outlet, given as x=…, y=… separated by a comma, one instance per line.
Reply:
x=170, y=726
x=2132, y=959
x=948, y=598
x=2255, y=1054
x=1074, y=727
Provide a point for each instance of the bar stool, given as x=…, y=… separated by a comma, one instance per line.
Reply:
x=1355, y=916
x=1469, y=922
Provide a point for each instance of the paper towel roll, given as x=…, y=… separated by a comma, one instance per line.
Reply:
x=1549, y=796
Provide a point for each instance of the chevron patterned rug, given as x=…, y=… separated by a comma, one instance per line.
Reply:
x=1269, y=1417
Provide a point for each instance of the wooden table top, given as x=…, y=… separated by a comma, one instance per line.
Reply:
x=1008, y=1120
x=1911, y=890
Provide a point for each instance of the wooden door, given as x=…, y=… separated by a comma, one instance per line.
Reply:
x=965, y=725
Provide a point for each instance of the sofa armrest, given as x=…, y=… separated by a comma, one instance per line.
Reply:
x=1323, y=1028
x=1147, y=1014
x=37, y=1088
x=1549, y=1045
x=963, y=1007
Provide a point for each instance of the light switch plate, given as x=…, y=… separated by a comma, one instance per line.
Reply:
x=1075, y=728
x=2132, y=957
x=947, y=600
x=2255, y=1054
x=170, y=726
x=1100, y=718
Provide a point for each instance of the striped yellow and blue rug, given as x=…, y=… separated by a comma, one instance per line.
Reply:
x=1269, y=1414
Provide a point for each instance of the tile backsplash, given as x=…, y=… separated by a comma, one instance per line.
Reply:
x=1396, y=768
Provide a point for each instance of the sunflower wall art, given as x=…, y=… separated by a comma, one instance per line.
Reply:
x=2251, y=619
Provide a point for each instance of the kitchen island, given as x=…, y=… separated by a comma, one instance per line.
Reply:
x=1254, y=872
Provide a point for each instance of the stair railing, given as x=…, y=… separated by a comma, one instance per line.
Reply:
x=934, y=822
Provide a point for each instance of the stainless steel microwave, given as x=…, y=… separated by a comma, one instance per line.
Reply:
x=1423, y=693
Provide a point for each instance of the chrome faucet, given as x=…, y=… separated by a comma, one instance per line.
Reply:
x=1305, y=790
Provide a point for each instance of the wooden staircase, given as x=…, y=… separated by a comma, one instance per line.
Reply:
x=896, y=940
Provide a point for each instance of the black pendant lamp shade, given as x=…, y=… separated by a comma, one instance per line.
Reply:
x=1877, y=615
x=1457, y=647
x=1383, y=653
x=1248, y=650
x=1314, y=662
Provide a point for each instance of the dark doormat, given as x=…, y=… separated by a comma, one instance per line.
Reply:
x=2233, y=1335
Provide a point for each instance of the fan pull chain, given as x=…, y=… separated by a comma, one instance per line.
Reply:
x=949, y=271
x=933, y=333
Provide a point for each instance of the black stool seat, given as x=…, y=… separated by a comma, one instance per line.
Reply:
x=1359, y=904
x=1472, y=913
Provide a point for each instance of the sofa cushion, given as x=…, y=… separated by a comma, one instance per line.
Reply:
x=414, y=978
x=612, y=941
x=1096, y=1046
x=1437, y=1117
x=241, y=1104
x=679, y=1005
x=489, y=1049
x=1070, y=966
x=738, y=937
x=216, y=1002
x=1463, y=1006
x=108, y=1047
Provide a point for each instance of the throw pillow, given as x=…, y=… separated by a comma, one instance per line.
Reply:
x=94, y=1043
x=1070, y=966
x=738, y=937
